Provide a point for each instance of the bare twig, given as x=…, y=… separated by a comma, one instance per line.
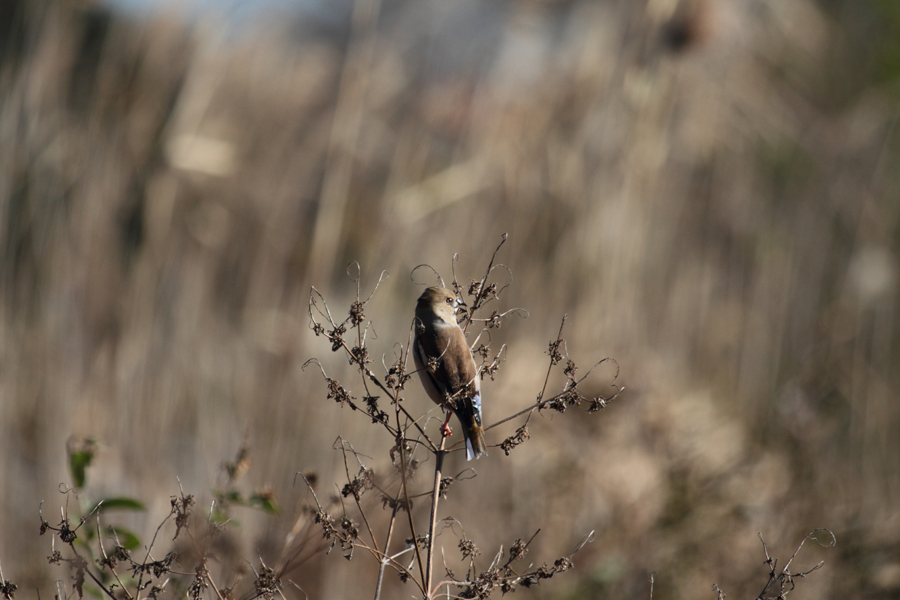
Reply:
x=323, y=323
x=784, y=578
x=435, y=496
x=387, y=545
x=480, y=298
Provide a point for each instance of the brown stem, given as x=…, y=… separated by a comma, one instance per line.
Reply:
x=356, y=497
x=386, y=559
x=435, y=495
x=91, y=575
x=550, y=368
x=412, y=527
x=479, y=300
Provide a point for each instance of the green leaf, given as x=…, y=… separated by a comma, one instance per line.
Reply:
x=232, y=496
x=127, y=539
x=85, y=541
x=264, y=502
x=79, y=461
x=118, y=504
x=85, y=536
x=218, y=516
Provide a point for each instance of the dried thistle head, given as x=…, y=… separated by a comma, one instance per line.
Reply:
x=267, y=583
x=350, y=528
x=372, y=409
x=446, y=482
x=397, y=376
x=564, y=400
x=359, y=355
x=200, y=581
x=357, y=313
x=468, y=549
x=336, y=336
x=518, y=550
x=553, y=350
x=514, y=440
x=360, y=484
x=337, y=393
x=495, y=321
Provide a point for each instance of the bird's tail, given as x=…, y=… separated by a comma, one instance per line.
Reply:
x=475, y=445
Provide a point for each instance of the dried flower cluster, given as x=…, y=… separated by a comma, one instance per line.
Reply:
x=408, y=437
x=345, y=519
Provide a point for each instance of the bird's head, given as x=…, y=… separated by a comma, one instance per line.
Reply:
x=442, y=302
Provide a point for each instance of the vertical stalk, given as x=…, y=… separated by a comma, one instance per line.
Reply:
x=385, y=557
x=435, y=495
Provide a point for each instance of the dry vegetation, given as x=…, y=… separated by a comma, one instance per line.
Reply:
x=708, y=189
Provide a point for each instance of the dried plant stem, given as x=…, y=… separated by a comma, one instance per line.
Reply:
x=106, y=557
x=400, y=409
x=412, y=526
x=435, y=496
x=479, y=300
x=385, y=558
x=552, y=362
x=92, y=576
x=214, y=586
x=504, y=578
x=359, y=506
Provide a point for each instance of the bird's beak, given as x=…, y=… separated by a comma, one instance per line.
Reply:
x=461, y=306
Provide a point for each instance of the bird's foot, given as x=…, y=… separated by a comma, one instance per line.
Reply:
x=446, y=431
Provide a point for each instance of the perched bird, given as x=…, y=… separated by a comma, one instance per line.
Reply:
x=446, y=366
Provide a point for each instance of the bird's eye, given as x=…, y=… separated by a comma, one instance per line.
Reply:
x=449, y=300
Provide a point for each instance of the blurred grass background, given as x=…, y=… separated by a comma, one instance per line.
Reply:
x=709, y=189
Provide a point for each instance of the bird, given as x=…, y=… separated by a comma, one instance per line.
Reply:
x=446, y=366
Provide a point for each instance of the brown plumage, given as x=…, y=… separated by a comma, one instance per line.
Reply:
x=445, y=364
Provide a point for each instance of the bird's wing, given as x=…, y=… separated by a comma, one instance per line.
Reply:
x=432, y=387
x=455, y=367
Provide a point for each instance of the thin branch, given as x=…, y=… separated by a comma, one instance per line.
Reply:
x=542, y=403
x=92, y=576
x=435, y=495
x=552, y=361
x=417, y=267
x=387, y=547
x=481, y=295
x=356, y=496
x=412, y=526
x=106, y=558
